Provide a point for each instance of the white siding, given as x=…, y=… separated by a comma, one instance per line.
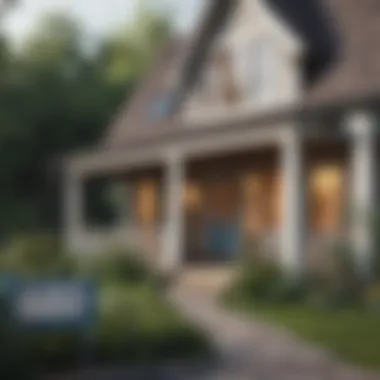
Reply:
x=266, y=64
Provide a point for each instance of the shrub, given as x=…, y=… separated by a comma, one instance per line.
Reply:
x=139, y=326
x=256, y=277
x=35, y=255
x=119, y=266
x=339, y=287
x=347, y=285
x=11, y=348
x=46, y=351
x=134, y=323
x=372, y=297
x=342, y=287
x=287, y=291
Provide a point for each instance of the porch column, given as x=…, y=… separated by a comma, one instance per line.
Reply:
x=361, y=126
x=173, y=234
x=73, y=209
x=293, y=232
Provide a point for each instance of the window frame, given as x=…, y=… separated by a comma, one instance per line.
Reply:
x=161, y=106
x=254, y=60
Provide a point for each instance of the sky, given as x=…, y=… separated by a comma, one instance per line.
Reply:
x=99, y=17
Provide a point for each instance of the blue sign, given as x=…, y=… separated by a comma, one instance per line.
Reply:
x=55, y=304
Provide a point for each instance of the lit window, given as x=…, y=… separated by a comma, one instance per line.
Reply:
x=146, y=202
x=327, y=186
x=262, y=202
x=193, y=197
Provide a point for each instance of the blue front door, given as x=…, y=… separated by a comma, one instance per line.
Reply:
x=221, y=227
x=222, y=239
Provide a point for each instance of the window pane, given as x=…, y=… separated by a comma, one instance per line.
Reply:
x=261, y=202
x=146, y=202
x=248, y=67
x=161, y=107
x=326, y=189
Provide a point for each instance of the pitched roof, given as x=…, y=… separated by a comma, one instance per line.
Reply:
x=342, y=35
x=133, y=119
x=180, y=58
x=356, y=70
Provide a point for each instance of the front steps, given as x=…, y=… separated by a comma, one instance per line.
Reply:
x=204, y=280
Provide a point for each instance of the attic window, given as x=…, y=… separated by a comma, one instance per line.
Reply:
x=161, y=106
x=254, y=67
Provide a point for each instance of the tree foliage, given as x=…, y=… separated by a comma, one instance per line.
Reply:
x=56, y=97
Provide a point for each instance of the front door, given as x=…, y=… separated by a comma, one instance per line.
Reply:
x=221, y=221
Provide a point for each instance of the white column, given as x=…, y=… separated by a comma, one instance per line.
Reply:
x=73, y=209
x=173, y=234
x=361, y=126
x=293, y=232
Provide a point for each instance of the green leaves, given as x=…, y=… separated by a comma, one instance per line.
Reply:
x=55, y=97
x=126, y=55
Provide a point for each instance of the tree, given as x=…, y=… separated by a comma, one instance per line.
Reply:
x=55, y=97
x=125, y=56
x=56, y=42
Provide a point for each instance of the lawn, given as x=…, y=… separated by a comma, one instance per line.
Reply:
x=351, y=334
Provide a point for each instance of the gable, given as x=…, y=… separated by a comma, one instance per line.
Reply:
x=253, y=52
x=252, y=18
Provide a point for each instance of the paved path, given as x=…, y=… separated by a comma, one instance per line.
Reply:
x=247, y=350
x=255, y=351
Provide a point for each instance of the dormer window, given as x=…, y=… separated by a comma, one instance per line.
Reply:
x=254, y=69
x=161, y=107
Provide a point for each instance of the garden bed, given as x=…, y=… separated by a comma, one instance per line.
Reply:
x=134, y=323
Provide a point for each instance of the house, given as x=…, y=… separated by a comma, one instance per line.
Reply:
x=261, y=128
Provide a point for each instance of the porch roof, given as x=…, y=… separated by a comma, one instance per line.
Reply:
x=186, y=139
x=206, y=136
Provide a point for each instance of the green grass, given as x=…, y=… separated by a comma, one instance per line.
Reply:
x=353, y=335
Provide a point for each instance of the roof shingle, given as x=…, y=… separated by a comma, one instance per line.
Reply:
x=353, y=73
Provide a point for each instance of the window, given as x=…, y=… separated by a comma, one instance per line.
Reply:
x=261, y=201
x=254, y=68
x=193, y=197
x=161, y=107
x=146, y=202
x=120, y=200
x=326, y=193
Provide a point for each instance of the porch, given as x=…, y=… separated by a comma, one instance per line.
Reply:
x=203, y=199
